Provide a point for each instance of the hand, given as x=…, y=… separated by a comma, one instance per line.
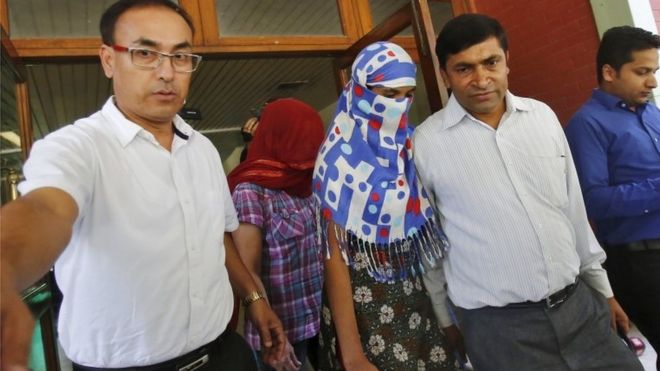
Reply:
x=17, y=325
x=454, y=343
x=290, y=362
x=270, y=330
x=361, y=363
x=249, y=127
x=619, y=318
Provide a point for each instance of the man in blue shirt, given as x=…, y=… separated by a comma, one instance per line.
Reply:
x=615, y=140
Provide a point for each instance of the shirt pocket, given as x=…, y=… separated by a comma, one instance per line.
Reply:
x=546, y=177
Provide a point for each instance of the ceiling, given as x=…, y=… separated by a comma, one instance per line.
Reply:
x=226, y=90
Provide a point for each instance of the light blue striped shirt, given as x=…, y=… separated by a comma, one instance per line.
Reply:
x=510, y=203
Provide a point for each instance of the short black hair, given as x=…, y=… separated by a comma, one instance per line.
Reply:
x=112, y=14
x=619, y=43
x=466, y=30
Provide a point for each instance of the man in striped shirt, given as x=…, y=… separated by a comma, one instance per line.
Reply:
x=524, y=269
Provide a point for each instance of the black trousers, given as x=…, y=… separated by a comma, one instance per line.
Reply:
x=635, y=279
x=228, y=352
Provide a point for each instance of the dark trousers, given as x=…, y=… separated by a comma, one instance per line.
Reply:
x=575, y=335
x=635, y=279
x=228, y=352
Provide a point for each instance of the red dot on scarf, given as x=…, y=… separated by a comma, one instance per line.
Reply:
x=374, y=124
x=318, y=186
x=327, y=214
x=403, y=122
x=337, y=130
x=408, y=143
x=401, y=183
x=391, y=53
x=384, y=232
x=375, y=197
x=358, y=90
x=379, y=77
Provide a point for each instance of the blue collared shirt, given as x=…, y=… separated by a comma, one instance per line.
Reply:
x=617, y=155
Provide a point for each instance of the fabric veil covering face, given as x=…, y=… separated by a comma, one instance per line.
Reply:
x=283, y=149
x=365, y=178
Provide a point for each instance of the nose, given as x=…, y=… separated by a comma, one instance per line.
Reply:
x=652, y=81
x=481, y=77
x=166, y=69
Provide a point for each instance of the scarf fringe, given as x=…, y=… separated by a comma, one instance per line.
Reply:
x=388, y=262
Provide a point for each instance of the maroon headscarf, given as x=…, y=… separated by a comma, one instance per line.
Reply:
x=283, y=151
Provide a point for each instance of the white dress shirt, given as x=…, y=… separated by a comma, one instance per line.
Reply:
x=143, y=277
x=510, y=203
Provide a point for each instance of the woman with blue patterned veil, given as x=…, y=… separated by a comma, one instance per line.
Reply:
x=377, y=225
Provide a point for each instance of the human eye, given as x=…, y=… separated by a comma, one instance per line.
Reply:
x=644, y=71
x=182, y=57
x=492, y=63
x=145, y=55
x=462, y=70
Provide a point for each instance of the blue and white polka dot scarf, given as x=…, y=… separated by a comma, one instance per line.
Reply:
x=365, y=178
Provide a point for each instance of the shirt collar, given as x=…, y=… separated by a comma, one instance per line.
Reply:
x=126, y=130
x=455, y=113
x=611, y=101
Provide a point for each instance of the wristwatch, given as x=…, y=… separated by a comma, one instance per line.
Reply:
x=252, y=297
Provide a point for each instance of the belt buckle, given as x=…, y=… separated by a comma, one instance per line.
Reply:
x=550, y=304
x=194, y=365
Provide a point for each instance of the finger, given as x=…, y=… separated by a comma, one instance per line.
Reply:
x=266, y=340
x=251, y=125
x=294, y=359
x=248, y=124
x=624, y=323
x=280, y=347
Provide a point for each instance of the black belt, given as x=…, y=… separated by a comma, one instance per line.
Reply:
x=552, y=301
x=188, y=362
x=637, y=246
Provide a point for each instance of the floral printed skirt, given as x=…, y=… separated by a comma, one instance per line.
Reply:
x=398, y=328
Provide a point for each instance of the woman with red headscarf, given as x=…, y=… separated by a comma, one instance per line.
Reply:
x=272, y=192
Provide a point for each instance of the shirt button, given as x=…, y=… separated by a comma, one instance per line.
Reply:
x=646, y=211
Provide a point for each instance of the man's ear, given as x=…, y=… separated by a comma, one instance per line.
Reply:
x=609, y=73
x=107, y=56
x=445, y=78
x=506, y=58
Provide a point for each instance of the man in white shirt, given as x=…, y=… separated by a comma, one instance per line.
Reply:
x=523, y=268
x=132, y=206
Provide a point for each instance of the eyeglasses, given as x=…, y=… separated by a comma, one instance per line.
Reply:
x=152, y=59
